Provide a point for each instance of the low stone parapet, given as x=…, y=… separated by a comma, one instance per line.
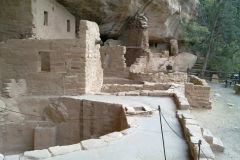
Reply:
x=160, y=77
x=194, y=132
x=111, y=88
x=197, y=92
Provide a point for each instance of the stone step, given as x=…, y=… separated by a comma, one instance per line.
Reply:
x=217, y=145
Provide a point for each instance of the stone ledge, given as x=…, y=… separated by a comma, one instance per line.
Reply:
x=60, y=150
x=37, y=154
x=93, y=144
x=193, y=133
x=112, y=137
x=217, y=145
x=12, y=157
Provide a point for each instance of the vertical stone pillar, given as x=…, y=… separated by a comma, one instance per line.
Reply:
x=89, y=38
x=135, y=38
x=174, y=47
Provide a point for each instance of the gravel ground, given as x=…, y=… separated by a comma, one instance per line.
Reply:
x=223, y=120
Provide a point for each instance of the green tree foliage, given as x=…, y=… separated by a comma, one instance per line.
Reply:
x=221, y=18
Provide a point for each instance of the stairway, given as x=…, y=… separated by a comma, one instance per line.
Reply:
x=197, y=68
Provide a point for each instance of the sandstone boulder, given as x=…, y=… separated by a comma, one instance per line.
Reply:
x=184, y=61
x=57, y=112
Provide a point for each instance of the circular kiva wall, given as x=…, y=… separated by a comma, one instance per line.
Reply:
x=63, y=121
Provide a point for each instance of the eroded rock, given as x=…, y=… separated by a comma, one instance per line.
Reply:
x=57, y=112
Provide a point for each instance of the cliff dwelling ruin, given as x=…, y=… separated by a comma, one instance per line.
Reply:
x=68, y=94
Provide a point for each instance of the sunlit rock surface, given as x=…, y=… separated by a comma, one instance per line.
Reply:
x=164, y=15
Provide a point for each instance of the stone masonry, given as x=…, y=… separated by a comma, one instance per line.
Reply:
x=197, y=92
x=113, y=60
x=90, y=44
x=55, y=67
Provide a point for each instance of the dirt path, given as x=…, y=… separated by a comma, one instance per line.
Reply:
x=223, y=120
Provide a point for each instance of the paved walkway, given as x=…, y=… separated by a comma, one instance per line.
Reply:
x=145, y=142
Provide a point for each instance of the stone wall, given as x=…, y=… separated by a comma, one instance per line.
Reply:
x=21, y=59
x=12, y=88
x=111, y=88
x=135, y=37
x=161, y=77
x=113, y=61
x=84, y=119
x=90, y=44
x=198, y=93
x=55, y=67
x=152, y=63
x=58, y=19
x=24, y=19
x=15, y=19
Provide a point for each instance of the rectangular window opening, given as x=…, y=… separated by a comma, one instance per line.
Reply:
x=45, y=23
x=44, y=58
x=68, y=26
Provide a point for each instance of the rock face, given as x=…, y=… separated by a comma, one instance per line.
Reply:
x=184, y=61
x=111, y=15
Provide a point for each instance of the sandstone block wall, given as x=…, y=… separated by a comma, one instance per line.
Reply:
x=44, y=137
x=55, y=67
x=15, y=19
x=57, y=20
x=84, y=119
x=90, y=44
x=13, y=88
x=113, y=61
x=21, y=19
x=111, y=88
x=21, y=59
x=161, y=77
x=197, y=92
x=135, y=38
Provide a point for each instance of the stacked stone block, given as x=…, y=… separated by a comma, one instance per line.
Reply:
x=111, y=88
x=85, y=119
x=193, y=134
x=74, y=65
x=113, y=60
x=198, y=93
x=89, y=37
x=161, y=77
